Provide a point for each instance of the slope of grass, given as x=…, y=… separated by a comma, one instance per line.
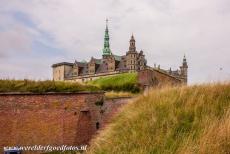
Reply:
x=181, y=120
x=43, y=86
x=113, y=94
x=120, y=82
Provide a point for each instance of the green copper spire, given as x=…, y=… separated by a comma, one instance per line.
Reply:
x=106, y=50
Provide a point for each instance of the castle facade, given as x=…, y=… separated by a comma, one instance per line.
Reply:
x=111, y=64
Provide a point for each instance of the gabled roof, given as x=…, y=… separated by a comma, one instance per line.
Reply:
x=80, y=64
x=97, y=61
x=102, y=68
x=117, y=58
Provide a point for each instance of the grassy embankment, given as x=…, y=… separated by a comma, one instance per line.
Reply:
x=182, y=120
x=126, y=82
x=43, y=86
x=121, y=85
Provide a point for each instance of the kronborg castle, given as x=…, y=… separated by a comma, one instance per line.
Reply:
x=111, y=64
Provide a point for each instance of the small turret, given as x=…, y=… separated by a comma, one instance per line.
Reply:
x=170, y=70
x=184, y=70
x=159, y=67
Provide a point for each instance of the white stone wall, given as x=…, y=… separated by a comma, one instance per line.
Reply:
x=58, y=73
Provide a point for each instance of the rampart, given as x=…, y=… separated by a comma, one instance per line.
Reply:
x=50, y=118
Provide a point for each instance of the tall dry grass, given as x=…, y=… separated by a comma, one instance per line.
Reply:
x=193, y=120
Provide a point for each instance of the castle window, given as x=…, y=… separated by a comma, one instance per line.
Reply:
x=97, y=125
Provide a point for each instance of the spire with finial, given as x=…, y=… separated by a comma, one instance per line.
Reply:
x=106, y=29
x=106, y=49
x=132, y=37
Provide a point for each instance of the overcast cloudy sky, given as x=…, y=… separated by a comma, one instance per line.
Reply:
x=34, y=34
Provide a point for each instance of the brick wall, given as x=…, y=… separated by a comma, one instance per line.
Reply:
x=155, y=78
x=112, y=107
x=49, y=119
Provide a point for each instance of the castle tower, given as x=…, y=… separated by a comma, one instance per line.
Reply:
x=132, y=46
x=106, y=49
x=132, y=56
x=184, y=69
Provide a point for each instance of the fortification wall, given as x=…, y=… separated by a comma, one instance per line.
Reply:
x=111, y=107
x=49, y=119
x=155, y=78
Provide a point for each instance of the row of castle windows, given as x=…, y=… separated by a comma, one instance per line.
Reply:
x=133, y=56
x=133, y=62
x=132, y=67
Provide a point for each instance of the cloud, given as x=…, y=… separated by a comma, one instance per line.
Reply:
x=14, y=41
x=165, y=30
x=15, y=38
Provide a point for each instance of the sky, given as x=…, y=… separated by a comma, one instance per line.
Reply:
x=34, y=34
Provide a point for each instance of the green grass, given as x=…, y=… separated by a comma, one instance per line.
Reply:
x=126, y=82
x=180, y=120
x=43, y=86
x=121, y=82
x=121, y=94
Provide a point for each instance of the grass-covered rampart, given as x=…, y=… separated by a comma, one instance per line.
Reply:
x=179, y=120
x=43, y=86
x=121, y=82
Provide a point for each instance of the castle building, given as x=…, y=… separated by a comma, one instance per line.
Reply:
x=111, y=64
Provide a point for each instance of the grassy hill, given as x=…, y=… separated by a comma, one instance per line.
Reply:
x=123, y=82
x=120, y=82
x=43, y=86
x=182, y=120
